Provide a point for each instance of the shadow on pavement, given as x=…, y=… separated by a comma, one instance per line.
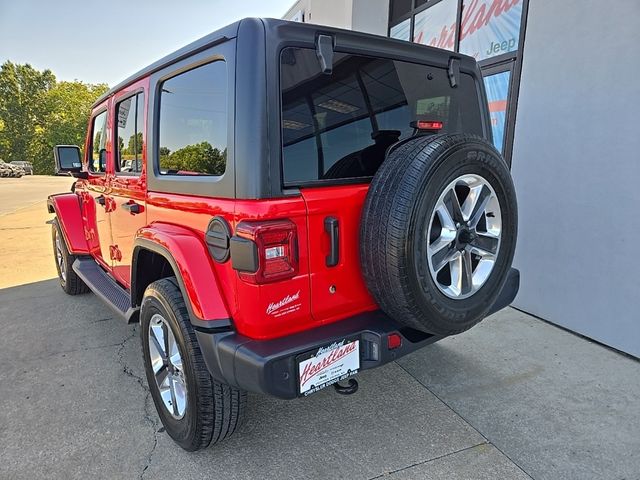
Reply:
x=76, y=405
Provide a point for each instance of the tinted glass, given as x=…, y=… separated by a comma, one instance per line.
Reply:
x=339, y=126
x=487, y=31
x=98, y=158
x=130, y=134
x=193, y=122
x=436, y=25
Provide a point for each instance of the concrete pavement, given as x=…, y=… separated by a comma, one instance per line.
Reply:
x=513, y=398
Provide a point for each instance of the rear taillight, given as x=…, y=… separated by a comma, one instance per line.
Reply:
x=264, y=252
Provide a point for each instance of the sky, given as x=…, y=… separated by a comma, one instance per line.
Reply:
x=106, y=41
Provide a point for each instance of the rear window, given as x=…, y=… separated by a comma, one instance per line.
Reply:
x=339, y=126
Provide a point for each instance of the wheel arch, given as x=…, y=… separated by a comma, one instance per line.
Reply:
x=161, y=251
x=66, y=207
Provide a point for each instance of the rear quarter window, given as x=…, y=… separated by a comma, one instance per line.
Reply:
x=338, y=126
x=193, y=122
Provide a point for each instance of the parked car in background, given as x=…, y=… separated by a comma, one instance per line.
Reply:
x=9, y=170
x=26, y=166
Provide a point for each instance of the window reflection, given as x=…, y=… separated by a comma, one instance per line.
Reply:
x=193, y=122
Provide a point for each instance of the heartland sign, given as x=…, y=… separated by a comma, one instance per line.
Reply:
x=488, y=27
x=329, y=365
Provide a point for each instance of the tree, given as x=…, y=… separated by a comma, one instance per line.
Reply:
x=36, y=113
x=200, y=157
x=69, y=107
x=23, y=108
x=135, y=144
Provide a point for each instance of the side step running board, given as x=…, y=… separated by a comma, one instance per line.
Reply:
x=105, y=288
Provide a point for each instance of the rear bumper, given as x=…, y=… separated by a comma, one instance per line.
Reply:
x=270, y=366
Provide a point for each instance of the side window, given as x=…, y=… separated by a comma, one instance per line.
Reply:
x=130, y=134
x=98, y=158
x=193, y=122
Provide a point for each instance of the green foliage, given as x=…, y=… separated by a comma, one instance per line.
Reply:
x=199, y=158
x=36, y=113
x=135, y=144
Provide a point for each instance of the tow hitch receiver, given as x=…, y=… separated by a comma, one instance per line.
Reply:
x=347, y=389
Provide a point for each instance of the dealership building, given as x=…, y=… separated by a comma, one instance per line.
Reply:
x=563, y=86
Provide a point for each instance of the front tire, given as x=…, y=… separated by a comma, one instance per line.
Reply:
x=69, y=279
x=196, y=410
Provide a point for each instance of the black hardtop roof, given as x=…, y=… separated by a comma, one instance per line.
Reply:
x=222, y=34
x=267, y=25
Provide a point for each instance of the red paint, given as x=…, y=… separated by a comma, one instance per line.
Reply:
x=67, y=209
x=350, y=293
x=315, y=294
x=195, y=267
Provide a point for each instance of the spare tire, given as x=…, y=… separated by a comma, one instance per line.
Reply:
x=438, y=232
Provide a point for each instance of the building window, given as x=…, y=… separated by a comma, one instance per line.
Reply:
x=490, y=28
x=399, y=8
x=436, y=25
x=193, y=122
x=401, y=31
x=497, y=87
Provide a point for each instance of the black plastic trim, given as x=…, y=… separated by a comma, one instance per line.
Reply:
x=105, y=288
x=217, y=238
x=332, y=227
x=270, y=366
x=244, y=255
x=144, y=244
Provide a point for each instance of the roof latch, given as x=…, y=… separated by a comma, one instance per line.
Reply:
x=454, y=72
x=324, y=52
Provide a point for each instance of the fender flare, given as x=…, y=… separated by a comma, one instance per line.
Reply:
x=66, y=206
x=191, y=263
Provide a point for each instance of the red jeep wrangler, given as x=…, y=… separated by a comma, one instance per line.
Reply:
x=281, y=205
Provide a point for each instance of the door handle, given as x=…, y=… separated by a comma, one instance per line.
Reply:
x=332, y=228
x=132, y=207
x=100, y=200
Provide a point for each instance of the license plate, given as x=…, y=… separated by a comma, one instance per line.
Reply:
x=329, y=365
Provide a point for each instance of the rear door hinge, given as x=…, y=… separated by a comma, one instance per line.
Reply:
x=324, y=52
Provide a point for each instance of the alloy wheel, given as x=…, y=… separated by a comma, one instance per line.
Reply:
x=464, y=235
x=60, y=257
x=166, y=363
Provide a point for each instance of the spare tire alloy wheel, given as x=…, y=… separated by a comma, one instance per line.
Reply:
x=438, y=232
x=464, y=236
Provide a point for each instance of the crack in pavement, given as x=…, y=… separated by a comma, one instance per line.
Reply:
x=429, y=460
x=148, y=417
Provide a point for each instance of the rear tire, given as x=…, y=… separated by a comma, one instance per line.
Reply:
x=196, y=410
x=439, y=276
x=70, y=282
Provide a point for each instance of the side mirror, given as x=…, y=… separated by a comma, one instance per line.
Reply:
x=68, y=160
